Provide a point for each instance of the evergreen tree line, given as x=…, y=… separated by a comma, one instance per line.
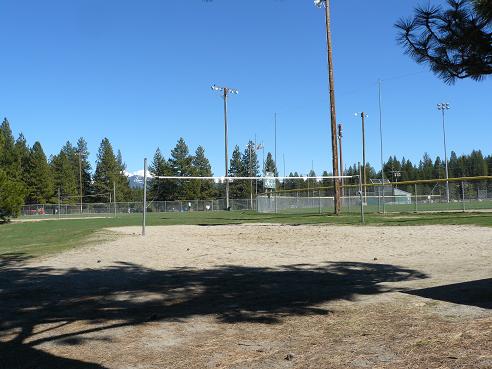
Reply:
x=28, y=176
x=182, y=163
x=472, y=165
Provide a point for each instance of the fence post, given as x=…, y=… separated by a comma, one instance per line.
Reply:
x=319, y=199
x=379, y=200
x=463, y=194
x=416, y=198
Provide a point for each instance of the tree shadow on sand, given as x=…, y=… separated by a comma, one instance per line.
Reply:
x=34, y=298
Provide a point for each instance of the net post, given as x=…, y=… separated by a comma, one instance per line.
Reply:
x=362, y=219
x=144, y=198
x=114, y=198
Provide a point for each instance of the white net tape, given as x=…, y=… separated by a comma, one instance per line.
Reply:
x=222, y=179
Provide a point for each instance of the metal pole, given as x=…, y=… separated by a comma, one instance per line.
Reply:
x=364, y=172
x=283, y=158
x=319, y=200
x=144, y=198
x=381, y=140
x=80, y=182
x=416, y=198
x=275, y=152
x=226, y=149
x=114, y=198
x=251, y=175
x=256, y=174
x=331, y=81
x=362, y=220
x=263, y=154
x=59, y=203
x=445, y=156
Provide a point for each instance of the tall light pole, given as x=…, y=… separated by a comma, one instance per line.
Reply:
x=331, y=81
x=381, y=141
x=226, y=91
x=259, y=147
x=443, y=107
x=275, y=128
x=364, y=169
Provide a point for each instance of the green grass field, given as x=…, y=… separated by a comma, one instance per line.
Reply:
x=50, y=236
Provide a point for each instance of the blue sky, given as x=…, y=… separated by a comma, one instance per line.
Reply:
x=139, y=73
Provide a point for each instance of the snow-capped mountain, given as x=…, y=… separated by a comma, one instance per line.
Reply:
x=136, y=179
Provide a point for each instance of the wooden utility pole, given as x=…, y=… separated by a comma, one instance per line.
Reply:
x=331, y=81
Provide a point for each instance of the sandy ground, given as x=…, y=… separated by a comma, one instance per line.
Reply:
x=255, y=296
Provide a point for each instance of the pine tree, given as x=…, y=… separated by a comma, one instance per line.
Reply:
x=311, y=182
x=326, y=182
x=250, y=166
x=478, y=165
x=109, y=171
x=122, y=182
x=9, y=159
x=439, y=169
x=160, y=189
x=64, y=178
x=237, y=188
x=40, y=182
x=181, y=165
x=290, y=183
x=455, y=40
x=270, y=165
x=85, y=167
x=11, y=196
x=23, y=154
x=202, y=168
x=454, y=166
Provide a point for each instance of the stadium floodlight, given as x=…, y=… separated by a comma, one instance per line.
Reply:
x=443, y=107
x=319, y=3
x=225, y=92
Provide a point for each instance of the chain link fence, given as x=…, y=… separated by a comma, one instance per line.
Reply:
x=104, y=209
x=408, y=197
x=417, y=196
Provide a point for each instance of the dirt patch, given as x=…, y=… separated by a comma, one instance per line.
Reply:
x=35, y=220
x=254, y=296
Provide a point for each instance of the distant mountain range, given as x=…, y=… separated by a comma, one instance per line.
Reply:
x=136, y=181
